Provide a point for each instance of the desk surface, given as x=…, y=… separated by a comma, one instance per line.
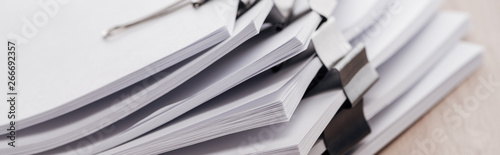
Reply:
x=467, y=121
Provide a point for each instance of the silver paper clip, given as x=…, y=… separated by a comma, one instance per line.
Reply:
x=243, y=6
x=180, y=3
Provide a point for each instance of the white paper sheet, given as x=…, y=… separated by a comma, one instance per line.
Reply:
x=457, y=65
x=65, y=63
x=413, y=61
x=253, y=57
x=311, y=116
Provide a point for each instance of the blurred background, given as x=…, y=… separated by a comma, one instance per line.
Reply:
x=466, y=121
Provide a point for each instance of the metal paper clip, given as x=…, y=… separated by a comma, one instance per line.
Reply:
x=178, y=4
x=243, y=6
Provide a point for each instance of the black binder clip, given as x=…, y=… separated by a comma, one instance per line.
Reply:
x=349, y=69
x=345, y=130
x=346, y=67
x=354, y=74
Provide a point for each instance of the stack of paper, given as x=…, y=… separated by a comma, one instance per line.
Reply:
x=159, y=112
x=160, y=133
x=255, y=56
x=457, y=65
x=435, y=39
x=414, y=60
x=293, y=137
x=120, y=104
x=68, y=65
x=269, y=98
x=229, y=77
x=385, y=37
